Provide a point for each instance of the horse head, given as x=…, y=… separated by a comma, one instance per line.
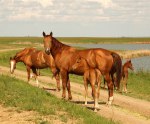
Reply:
x=129, y=64
x=77, y=63
x=80, y=63
x=12, y=65
x=47, y=42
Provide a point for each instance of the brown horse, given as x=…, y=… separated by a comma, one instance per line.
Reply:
x=92, y=76
x=35, y=59
x=127, y=65
x=65, y=56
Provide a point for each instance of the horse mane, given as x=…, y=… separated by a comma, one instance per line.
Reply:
x=127, y=62
x=58, y=46
x=22, y=52
x=18, y=55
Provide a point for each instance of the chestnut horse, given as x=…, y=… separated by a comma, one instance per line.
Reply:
x=127, y=65
x=65, y=56
x=92, y=76
x=35, y=59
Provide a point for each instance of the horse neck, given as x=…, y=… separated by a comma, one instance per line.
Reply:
x=19, y=58
x=125, y=69
x=57, y=47
x=125, y=66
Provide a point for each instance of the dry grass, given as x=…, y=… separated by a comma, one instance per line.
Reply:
x=133, y=53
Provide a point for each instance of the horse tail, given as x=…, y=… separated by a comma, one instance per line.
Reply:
x=117, y=66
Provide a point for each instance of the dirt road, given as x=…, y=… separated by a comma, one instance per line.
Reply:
x=125, y=110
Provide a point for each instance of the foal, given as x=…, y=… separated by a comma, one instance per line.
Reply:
x=127, y=65
x=92, y=76
x=35, y=59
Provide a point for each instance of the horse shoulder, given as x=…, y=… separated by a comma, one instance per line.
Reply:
x=27, y=60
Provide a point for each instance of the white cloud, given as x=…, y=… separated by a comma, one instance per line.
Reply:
x=104, y=3
x=77, y=10
x=43, y=3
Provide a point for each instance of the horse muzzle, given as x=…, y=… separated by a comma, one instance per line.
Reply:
x=47, y=51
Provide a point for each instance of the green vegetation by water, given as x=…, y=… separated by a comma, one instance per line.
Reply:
x=33, y=40
x=17, y=93
x=139, y=85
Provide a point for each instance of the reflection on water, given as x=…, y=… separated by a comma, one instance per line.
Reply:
x=115, y=46
x=141, y=63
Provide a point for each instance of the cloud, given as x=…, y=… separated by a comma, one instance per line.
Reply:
x=43, y=3
x=74, y=11
x=104, y=3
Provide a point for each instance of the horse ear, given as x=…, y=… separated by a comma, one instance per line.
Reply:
x=10, y=58
x=44, y=34
x=129, y=60
x=51, y=34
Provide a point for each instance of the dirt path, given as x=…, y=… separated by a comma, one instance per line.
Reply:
x=125, y=109
x=11, y=49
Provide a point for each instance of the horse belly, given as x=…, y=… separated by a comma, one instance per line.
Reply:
x=104, y=63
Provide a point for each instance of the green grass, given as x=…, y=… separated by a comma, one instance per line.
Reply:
x=17, y=93
x=139, y=85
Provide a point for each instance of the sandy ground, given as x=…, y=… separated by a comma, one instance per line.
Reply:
x=125, y=110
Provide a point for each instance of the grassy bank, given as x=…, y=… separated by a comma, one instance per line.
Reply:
x=139, y=85
x=16, y=93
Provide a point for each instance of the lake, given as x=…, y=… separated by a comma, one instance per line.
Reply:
x=141, y=63
x=115, y=46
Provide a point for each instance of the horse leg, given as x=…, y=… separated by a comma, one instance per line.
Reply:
x=110, y=89
x=35, y=75
x=69, y=90
x=86, y=88
x=64, y=77
x=94, y=90
x=105, y=84
x=113, y=80
x=98, y=84
x=125, y=85
x=38, y=72
x=57, y=77
x=28, y=73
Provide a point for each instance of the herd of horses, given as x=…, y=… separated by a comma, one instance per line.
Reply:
x=63, y=60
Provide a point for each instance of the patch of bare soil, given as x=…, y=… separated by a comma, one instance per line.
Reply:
x=125, y=110
x=11, y=115
x=11, y=49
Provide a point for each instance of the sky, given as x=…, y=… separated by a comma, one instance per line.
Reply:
x=75, y=18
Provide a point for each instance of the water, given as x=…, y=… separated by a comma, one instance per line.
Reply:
x=115, y=46
x=141, y=63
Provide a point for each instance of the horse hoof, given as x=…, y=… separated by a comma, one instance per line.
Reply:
x=95, y=110
x=63, y=96
x=97, y=107
x=70, y=98
x=109, y=103
x=58, y=89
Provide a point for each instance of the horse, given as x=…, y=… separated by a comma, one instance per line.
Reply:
x=127, y=65
x=65, y=56
x=92, y=76
x=35, y=59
